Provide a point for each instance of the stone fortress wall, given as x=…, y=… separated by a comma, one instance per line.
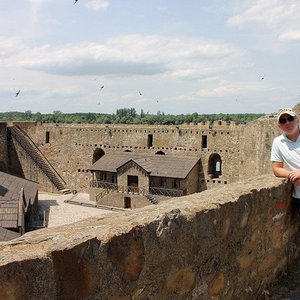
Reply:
x=225, y=243
x=244, y=149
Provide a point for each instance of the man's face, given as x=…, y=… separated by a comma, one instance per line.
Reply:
x=288, y=123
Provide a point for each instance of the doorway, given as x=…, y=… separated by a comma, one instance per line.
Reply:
x=133, y=183
x=127, y=202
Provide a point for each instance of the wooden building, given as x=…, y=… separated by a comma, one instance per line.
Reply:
x=18, y=204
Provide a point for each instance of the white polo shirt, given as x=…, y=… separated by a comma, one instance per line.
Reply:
x=287, y=152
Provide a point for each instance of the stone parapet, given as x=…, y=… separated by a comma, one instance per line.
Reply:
x=225, y=243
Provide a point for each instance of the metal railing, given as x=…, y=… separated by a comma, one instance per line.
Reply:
x=166, y=192
x=113, y=187
x=103, y=185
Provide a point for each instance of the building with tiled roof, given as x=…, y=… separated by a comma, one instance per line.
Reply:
x=18, y=202
x=146, y=174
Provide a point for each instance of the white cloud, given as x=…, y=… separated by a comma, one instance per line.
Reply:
x=97, y=4
x=132, y=55
x=9, y=45
x=272, y=13
x=228, y=89
x=290, y=36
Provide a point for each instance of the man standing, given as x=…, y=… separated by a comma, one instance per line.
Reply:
x=285, y=153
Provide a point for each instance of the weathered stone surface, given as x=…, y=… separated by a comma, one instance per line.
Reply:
x=180, y=281
x=192, y=247
x=128, y=254
x=217, y=285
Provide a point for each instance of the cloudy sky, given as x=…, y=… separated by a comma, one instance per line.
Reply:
x=173, y=56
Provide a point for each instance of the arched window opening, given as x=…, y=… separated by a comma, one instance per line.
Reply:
x=127, y=150
x=160, y=152
x=215, y=166
x=98, y=153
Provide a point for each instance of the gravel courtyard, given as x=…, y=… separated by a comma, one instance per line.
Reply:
x=57, y=212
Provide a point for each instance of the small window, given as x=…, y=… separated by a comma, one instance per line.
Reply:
x=204, y=141
x=47, y=138
x=176, y=184
x=150, y=140
x=114, y=179
x=162, y=182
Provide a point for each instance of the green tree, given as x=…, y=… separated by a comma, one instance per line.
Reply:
x=28, y=115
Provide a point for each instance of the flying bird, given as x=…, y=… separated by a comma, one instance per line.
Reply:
x=75, y=2
x=17, y=93
x=102, y=87
x=140, y=93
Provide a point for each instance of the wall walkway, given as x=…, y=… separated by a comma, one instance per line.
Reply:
x=225, y=243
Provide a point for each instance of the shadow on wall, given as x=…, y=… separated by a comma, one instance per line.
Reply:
x=98, y=153
x=14, y=165
x=202, y=183
x=42, y=216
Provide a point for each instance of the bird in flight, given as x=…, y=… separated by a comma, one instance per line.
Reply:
x=102, y=87
x=17, y=93
x=140, y=93
x=75, y=2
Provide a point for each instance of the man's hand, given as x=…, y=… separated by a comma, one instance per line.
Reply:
x=294, y=176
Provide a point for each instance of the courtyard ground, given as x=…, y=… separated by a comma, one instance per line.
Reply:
x=57, y=212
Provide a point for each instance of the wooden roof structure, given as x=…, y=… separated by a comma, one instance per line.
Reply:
x=12, y=189
x=7, y=235
x=170, y=166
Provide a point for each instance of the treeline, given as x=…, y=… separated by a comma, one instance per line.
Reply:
x=125, y=116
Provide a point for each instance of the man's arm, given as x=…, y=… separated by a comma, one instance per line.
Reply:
x=280, y=171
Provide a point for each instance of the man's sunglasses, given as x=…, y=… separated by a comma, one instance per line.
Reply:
x=284, y=120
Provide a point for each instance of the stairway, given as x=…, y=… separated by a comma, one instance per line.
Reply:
x=36, y=155
x=151, y=199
